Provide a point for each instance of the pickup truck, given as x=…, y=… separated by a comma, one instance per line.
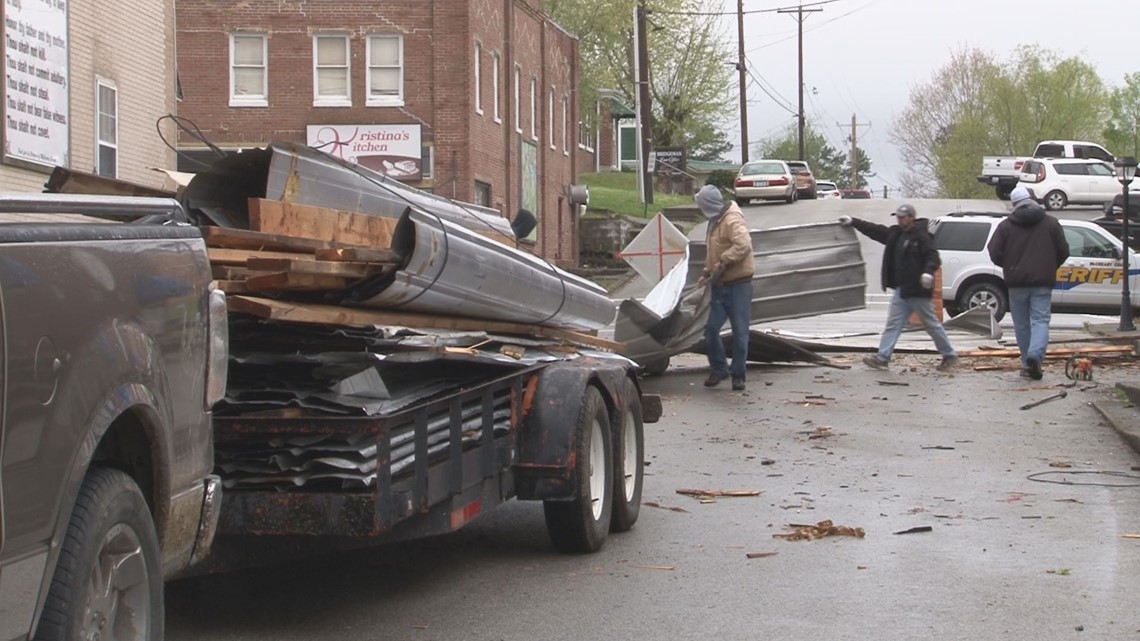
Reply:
x=1003, y=172
x=113, y=344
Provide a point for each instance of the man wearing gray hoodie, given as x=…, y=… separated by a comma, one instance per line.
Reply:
x=1029, y=246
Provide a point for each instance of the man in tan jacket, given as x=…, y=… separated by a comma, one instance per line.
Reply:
x=728, y=269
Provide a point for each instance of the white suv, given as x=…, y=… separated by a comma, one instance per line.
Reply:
x=1057, y=182
x=1088, y=283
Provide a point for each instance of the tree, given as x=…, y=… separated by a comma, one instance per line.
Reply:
x=843, y=181
x=1122, y=135
x=825, y=161
x=687, y=70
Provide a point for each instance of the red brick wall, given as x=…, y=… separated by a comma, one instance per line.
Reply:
x=439, y=39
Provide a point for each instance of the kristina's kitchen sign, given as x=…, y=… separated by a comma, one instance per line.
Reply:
x=392, y=150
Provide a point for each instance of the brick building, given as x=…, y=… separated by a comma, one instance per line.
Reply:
x=471, y=99
x=85, y=83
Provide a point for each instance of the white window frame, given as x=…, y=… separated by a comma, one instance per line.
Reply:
x=332, y=101
x=384, y=101
x=533, y=107
x=495, y=60
x=250, y=100
x=112, y=141
x=478, y=78
x=550, y=119
x=518, y=98
x=565, y=125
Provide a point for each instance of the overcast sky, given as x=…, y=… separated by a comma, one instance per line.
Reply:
x=862, y=57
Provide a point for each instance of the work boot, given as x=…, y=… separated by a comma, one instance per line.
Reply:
x=1024, y=373
x=714, y=379
x=948, y=363
x=1034, y=368
x=874, y=363
x=738, y=383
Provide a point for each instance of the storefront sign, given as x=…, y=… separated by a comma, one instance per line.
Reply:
x=392, y=150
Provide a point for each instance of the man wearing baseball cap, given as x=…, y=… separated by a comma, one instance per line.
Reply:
x=909, y=263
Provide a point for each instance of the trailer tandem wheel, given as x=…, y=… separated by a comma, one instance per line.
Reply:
x=582, y=523
x=629, y=456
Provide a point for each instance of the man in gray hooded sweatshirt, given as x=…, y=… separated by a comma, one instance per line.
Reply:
x=1029, y=246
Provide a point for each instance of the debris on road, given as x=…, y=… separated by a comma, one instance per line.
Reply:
x=895, y=383
x=760, y=555
x=915, y=530
x=818, y=531
x=666, y=568
x=712, y=494
x=665, y=507
x=1061, y=394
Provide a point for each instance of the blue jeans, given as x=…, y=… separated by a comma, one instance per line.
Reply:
x=1030, y=308
x=900, y=310
x=732, y=302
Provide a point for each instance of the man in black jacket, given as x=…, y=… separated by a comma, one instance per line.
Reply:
x=909, y=263
x=1029, y=246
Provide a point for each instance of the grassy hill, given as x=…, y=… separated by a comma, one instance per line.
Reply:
x=617, y=192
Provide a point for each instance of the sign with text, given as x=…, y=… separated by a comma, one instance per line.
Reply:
x=36, y=115
x=392, y=150
x=669, y=159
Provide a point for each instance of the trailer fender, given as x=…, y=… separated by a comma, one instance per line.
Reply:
x=544, y=470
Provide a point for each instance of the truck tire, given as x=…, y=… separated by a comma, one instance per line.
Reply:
x=1055, y=200
x=108, y=582
x=1004, y=190
x=629, y=457
x=986, y=294
x=655, y=367
x=581, y=524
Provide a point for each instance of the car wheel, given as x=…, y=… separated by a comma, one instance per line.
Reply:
x=987, y=294
x=108, y=581
x=1055, y=200
x=811, y=195
x=741, y=201
x=790, y=198
x=582, y=523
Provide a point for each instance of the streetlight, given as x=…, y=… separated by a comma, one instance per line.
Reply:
x=1126, y=172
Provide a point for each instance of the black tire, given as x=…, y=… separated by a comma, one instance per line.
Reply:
x=742, y=201
x=629, y=456
x=951, y=309
x=655, y=367
x=1004, y=190
x=1055, y=200
x=811, y=195
x=581, y=524
x=985, y=294
x=792, y=198
x=109, y=566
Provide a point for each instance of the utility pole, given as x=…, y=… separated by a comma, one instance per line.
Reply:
x=855, y=124
x=743, y=81
x=644, y=108
x=799, y=18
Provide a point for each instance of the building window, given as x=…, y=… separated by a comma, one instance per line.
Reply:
x=478, y=78
x=550, y=119
x=482, y=193
x=107, y=129
x=249, y=84
x=331, y=72
x=385, y=71
x=533, y=108
x=565, y=125
x=495, y=84
x=427, y=156
x=586, y=133
x=518, y=99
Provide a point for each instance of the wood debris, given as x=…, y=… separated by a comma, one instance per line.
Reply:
x=760, y=555
x=710, y=494
x=818, y=531
x=665, y=507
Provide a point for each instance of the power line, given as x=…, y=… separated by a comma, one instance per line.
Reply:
x=825, y=22
x=773, y=94
x=733, y=13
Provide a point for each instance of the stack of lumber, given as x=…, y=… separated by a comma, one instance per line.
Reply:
x=295, y=259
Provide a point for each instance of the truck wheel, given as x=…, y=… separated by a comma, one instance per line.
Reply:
x=1055, y=200
x=655, y=367
x=986, y=294
x=1004, y=191
x=581, y=525
x=108, y=583
x=629, y=457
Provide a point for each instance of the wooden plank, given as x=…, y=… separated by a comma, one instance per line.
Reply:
x=248, y=239
x=321, y=223
x=290, y=281
x=359, y=255
x=232, y=286
x=1052, y=354
x=238, y=257
x=315, y=267
x=334, y=315
x=233, y=272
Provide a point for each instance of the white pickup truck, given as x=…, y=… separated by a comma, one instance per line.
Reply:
x=1003, y=171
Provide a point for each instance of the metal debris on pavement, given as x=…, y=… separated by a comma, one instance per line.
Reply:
x=708, y=494
x=818, y=531
x=760, y=555
x=915, y=530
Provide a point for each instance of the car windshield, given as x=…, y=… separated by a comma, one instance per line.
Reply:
x=754, y=168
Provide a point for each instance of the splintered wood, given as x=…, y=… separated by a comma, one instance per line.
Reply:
x=820, y=530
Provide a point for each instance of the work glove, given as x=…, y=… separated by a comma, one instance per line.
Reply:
x=845, y=221
x=926, y=280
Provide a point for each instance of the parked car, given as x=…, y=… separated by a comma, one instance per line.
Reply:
x=765, y=180
x=827, y=189
x=1088, y=282
x=855, y=193
x=1003, y=172
x=805, y=179
x=1060, y=182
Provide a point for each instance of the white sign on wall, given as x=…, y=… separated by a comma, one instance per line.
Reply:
x=392, y=150
x=36, y=116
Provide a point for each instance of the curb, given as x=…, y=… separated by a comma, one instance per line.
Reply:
x=1122, y=416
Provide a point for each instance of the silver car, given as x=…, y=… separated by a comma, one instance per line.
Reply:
x=765, y=180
